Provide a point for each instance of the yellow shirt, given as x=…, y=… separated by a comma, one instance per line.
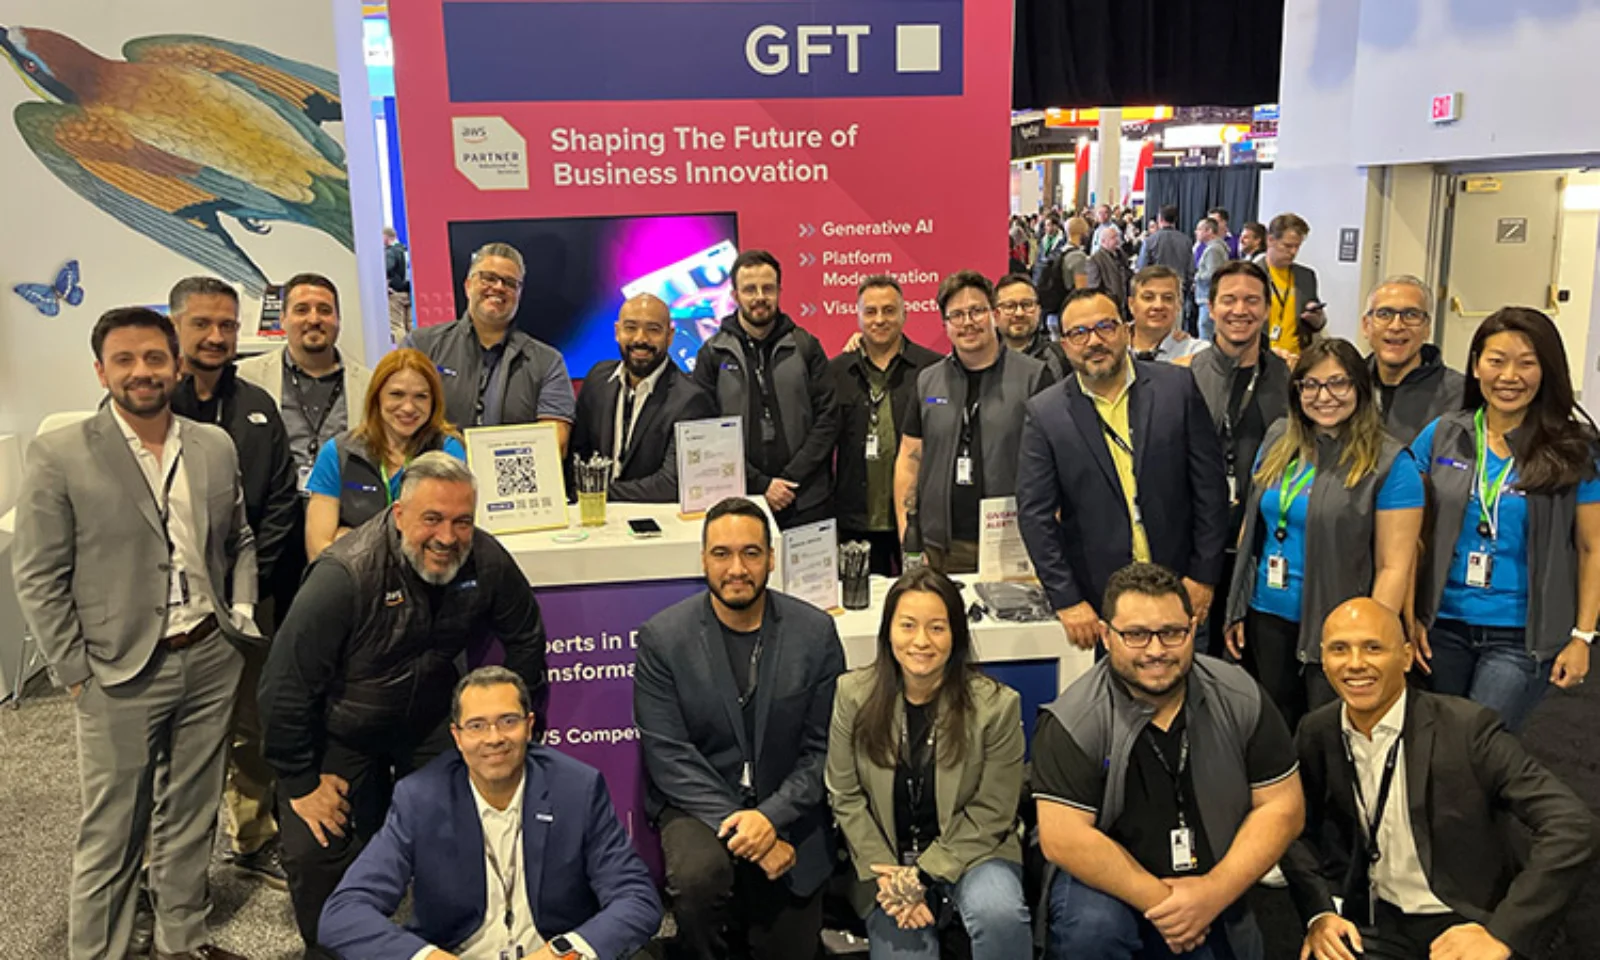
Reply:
x=1114, y=413
x=1283, y=318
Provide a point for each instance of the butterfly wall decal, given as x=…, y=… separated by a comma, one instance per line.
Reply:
x=47, y=297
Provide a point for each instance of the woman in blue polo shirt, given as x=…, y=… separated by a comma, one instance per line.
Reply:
x=358, y=473
x=1334, y=512
x=1514, y=479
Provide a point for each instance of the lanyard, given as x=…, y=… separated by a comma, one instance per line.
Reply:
x=164, y=504
x=388, y=491
x=1373, y=817
x=916, y=773
x=1488, y=493
x=1176, y=775
x=1287, y=494
x=302, y=406
x=1228, y=414
x=1115, y=437
x=507, y=881
x=755, y=666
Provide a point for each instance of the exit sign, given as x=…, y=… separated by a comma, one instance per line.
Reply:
x=1446, y=108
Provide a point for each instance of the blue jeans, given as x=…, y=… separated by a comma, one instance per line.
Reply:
x=1491, y=666
x=989, y=901
x=1086, y=923
x=1206, y=328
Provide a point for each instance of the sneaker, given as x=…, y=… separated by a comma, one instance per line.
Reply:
x=265, y=864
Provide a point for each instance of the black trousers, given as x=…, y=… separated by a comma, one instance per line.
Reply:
x=726, y=907
x=1402, y=936
x=885, y=549
x=1269, y=656
x=314, y=870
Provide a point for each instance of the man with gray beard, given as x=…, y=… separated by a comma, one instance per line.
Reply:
x=356, y=691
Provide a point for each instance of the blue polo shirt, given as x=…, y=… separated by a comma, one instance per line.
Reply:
x=325, y=473
x=1504, y=602
x=1401, y=490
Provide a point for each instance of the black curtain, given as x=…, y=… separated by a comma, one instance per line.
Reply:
x=1132, y=53
x=1195, y=190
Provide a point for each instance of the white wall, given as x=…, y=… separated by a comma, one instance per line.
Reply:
x=1315, y=174
x=1525, y=68
x=1580, y=238
x=45, y=362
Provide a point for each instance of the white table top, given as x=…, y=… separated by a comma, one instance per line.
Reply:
x=610, y=554
x=996, y=641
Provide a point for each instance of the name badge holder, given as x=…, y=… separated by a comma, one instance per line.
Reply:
x=964, y=451
x=1289, y=490
x=1480, y=562
x=875, y=400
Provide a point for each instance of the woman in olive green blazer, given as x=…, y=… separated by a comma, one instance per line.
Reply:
x=924, y=773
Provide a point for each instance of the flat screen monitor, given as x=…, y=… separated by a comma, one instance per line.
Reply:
x=581, y=269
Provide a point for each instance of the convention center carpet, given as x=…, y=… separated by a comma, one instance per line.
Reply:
x=39, y=806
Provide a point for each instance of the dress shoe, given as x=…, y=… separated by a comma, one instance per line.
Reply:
x=265, y=865
x=207, y=952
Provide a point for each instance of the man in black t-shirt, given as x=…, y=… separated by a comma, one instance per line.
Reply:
x=1166, y=784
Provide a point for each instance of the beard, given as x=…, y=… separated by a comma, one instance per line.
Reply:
x=417, y=557
x=642, y=367
x=141, y=408
x=1116, y=372
x=752, y=320
x=198, y=362
x=755, y=596
x=1130, y=677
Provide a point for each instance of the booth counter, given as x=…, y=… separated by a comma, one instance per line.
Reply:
x=597, y=585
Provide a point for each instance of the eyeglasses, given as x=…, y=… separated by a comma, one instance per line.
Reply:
x=973, y=317
x=1410, y=316
x=495, y=279
x=1078, y=336
x=1017, y=306
x=1338, y=387
x=505, y=724
x=1137, y=638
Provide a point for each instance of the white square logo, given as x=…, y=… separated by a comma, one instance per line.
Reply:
x=916, y=48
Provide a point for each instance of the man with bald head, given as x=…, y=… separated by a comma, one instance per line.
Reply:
x=628, y=406
x=1405, y=791
x=1414, y=386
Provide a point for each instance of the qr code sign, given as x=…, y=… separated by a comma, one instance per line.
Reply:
x=516, y=475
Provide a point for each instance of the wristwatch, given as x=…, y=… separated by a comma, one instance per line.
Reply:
x=562, y=946
x=1587, y=636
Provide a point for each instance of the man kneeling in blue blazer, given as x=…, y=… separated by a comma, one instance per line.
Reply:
x=509, y=849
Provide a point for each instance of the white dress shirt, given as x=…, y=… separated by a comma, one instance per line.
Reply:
x=502, y=836
x=188, y=557
x=1397, y=876
x=640, y=394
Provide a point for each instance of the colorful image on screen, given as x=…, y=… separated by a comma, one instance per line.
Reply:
x=580, y=270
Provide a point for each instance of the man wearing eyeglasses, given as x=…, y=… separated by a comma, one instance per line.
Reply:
x=552, y=874
x=1414, y=386
x=1019, y=318
x=494, y=373
x=206, y=312
x=963, y=432
x=763, y=367
x=356, y=690
x=629, y=406
x=1119, y=464
x=1166, y=783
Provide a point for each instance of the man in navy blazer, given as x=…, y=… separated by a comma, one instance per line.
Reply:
x=572, y=887
x=1119, y=463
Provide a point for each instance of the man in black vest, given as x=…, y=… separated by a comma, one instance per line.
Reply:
x=875, y=384
x=1407, y=794
x=206, y=312
x=356, y=692
x=961, y=434
x=628, y=407
x=1414, y=385
x=761, y=366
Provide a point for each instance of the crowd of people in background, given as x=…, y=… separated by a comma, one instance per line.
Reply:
x=256, y=580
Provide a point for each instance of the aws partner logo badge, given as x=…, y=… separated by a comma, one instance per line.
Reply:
x=490, y=153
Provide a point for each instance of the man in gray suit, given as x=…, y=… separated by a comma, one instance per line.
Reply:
x=136, y=571
x=733, y=694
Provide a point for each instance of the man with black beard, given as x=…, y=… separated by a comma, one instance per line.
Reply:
x=733, y=694
x=764, y=368
x=356, y=691
x=1166, y=785
x=206, y=312
x=1119, y=463
x=628, y=407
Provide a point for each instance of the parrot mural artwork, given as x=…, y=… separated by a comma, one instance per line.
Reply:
x=182, y=132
